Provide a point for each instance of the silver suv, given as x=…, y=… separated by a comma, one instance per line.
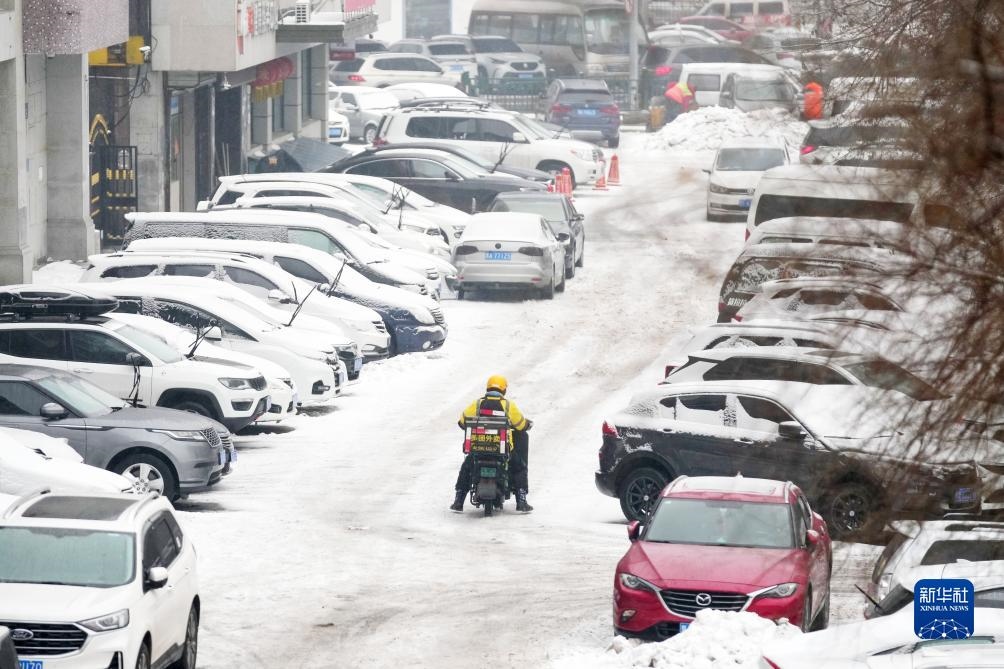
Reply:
x=171, y=452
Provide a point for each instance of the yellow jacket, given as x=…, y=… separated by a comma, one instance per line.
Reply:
x=495, y=401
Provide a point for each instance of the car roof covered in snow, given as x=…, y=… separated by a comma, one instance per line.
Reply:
x=839, y=174
x=736, y=488
x=855, y=255
x=504, y=227
x=984, y=575
x=824, y=225
x=793, y=353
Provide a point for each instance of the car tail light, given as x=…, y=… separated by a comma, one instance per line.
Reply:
x=531, y=251
x=663, y=71
x=747, y=231
x=722, y=307
x=380, y=141
x=784, y=54
x=806, y=149
x=356, y=77
x=611, y=110
x=737, y=318
x=561, y=109
x=609, y=430
x=669, y=369
x=465, y=249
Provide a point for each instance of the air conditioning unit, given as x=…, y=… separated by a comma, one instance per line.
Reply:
x=303, y=11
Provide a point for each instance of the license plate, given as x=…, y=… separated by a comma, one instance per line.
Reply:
x=31, y=664
x=357, y=364
x=745, y=202
x=222, y=456
x=233, y=455
x=488, y=472
x=498, y=255
x=965, y=495
x=334, y=132
x=526, y=75
x=456, y=68
x=684, y=626
x=587, y=112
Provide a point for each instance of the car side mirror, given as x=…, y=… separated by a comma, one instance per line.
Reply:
x=451, y=176
x=579, y=217
x=563, y=237
x=789, y=429
x=706, y=170
x=349, y=107
x=214, y=333
x=519, y=138
x=156, y=578
x=136, y=360
x=634, y=530
x=812, y=538
x=53, y=411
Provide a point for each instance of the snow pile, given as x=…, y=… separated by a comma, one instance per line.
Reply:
x=716, y=640
x=708, y=127
x=60, y=272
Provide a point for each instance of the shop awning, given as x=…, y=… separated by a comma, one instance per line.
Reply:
x=302, y=154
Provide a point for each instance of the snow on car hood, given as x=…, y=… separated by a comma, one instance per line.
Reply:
x=735, y=179
x=61, y=603
x=22, y=470
x=52, y=447
x=673, y=565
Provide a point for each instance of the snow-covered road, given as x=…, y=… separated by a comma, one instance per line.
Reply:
x=332, y=545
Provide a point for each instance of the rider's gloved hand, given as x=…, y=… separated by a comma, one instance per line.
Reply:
x=529, y=424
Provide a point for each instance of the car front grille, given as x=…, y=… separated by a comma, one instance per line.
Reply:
x=685, y=602
x=380, y=326
x=739, y=191
x=437, y=314
x=226, y=440
x=732, y=207
x=212, y=436
x=523, y=66
x=259, y=383
x=47, y=638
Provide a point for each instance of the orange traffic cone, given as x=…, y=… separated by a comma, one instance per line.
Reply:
x=566, y=181
x=614, y=179
x=601, y=183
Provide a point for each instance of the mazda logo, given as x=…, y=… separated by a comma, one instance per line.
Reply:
x=22, y=634
x=703, y=599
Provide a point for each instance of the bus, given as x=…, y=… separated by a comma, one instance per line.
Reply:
x=574, y=38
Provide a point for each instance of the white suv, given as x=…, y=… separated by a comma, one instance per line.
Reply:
x=131, y=364
x=494, y=134
x=98, y=581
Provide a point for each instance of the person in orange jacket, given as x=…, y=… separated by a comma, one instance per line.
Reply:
x=813, y=105
x=679, y=99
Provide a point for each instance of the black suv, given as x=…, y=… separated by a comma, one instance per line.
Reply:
x=837, y=443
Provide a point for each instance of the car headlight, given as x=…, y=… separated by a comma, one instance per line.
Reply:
x=779, y=591
x=633, y=582
x=883, y=585
x=112, y=621
x=715, y=188
x=425, y=317
x=182, y=435
x=413, y=228
x=582, y=155
x=234, y=383
x=498, y=61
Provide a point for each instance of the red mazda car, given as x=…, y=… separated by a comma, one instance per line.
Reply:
x=726, y=543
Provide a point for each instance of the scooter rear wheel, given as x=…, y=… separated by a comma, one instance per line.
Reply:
x=488, y=508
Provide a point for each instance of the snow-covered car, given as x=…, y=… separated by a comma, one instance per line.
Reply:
x=839, y=444
x=338, y=126
x=734, y=174
x=433, y=222
x=893, y=632
x=454, y=56
x=509, y=139
x=419, y=89
x=384, y=68
x=311, y=359
x=841, y=231
x=807, y=296
x=415, y=322
x=509, y=250
x=394, y=198
x=761, y=263
x=23, y=469
x=308, y=229
x=98, y=581
x=347, y=323
x=363, y=106
x=933, y=542
x=172, y=452
x=43, y=444
x=560, y=213
x=803, y=365
x=132, y=365
x=726, y=544
x=827, y=140
x=281, y=388
x=753, y=92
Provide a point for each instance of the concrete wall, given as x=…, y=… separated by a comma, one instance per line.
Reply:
x=35, y=163
x=55, y=27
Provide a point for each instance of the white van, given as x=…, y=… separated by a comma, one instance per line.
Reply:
x=751, y=12
x=707, y=78
x=832, y=191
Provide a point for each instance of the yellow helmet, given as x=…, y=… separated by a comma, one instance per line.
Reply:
x=497, y=382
